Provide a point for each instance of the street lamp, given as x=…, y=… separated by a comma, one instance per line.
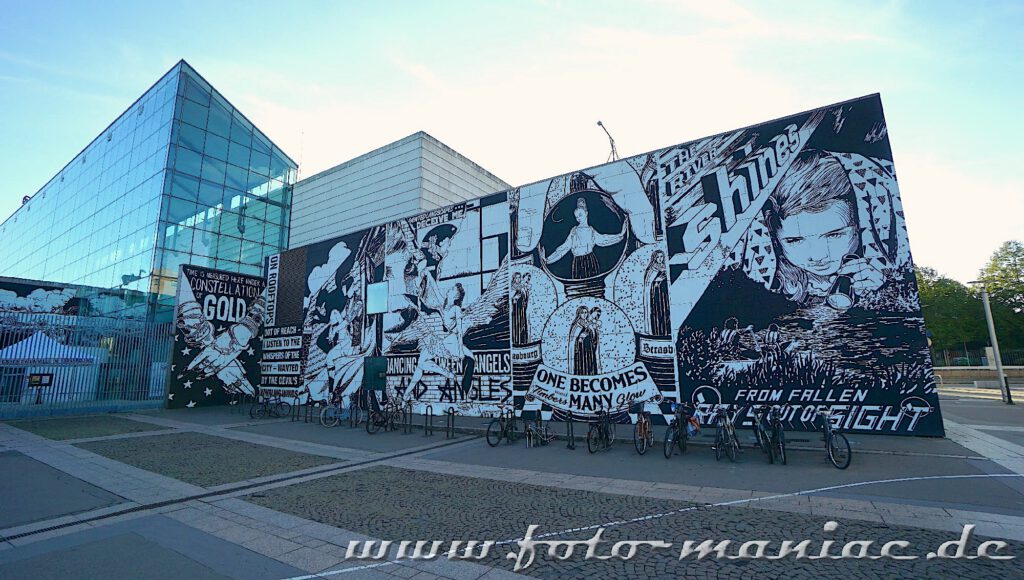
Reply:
x=1003, y=386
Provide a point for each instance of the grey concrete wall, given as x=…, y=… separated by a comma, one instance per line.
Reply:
x=398, y=180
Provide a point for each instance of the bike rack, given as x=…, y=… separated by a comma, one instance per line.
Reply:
x=570, y=433
x=407, y=424
x=428, y=421
x=449, y=430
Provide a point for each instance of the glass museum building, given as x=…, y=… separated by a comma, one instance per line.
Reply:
x=90, y=261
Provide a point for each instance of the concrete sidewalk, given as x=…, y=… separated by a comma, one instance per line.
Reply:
x=300, y=522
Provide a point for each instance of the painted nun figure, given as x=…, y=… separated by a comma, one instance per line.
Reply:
x=656, y=297
x=520, y=309
x=584, y=342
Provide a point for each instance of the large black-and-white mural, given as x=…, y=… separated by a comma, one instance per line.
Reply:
x=446, y=332
x=589, y=294
x=791, y=276
x=219, y=320
x=768, y=264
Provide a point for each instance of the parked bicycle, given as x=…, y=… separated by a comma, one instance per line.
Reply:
x=837, y=446
x=726, y=440
x=643, y=432
x=601, y=434
x=275, y=407
x=356, y=403
x=502, y=427
x=330, y=413
x=388, y=416
x=537, y=432
x=678, y=432
x=763, y=432
x=778, y=432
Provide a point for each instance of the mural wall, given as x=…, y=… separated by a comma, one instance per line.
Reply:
x=219, y=319
x=768, y=264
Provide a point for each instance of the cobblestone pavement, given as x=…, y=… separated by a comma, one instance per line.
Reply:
x=64, y=428
x=204, y=460
x=400, y=504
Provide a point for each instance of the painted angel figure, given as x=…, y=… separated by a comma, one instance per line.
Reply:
x=440, y=334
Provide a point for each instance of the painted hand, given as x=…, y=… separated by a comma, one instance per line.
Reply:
x=866, y=278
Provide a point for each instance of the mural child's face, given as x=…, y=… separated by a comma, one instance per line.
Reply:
x=818, y=241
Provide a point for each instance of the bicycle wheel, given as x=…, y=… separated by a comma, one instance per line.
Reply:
x=670, y=436
x=592, y=438
x=329, y=416
x=719, y=443
x=353, y=415
x=732, y=446
x=769, y=447
x=255, y=411
x=839, y=450
x=779, y=442
x=640, y=437
x=374, y=421
x=282, y=409
x=494, y=432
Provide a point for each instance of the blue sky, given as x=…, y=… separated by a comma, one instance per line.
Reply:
x=518, y=86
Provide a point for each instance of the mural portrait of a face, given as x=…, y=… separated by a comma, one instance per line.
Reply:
x=584, y=236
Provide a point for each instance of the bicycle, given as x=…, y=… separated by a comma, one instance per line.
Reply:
x=837, y=446
x=330, y=414
x=678, y=432
x=387, y=417
x=275, y=407
x=778, y=433
x=762, y=432
x=725, y=436
x=355, y=409
x=537, y=432
x=601, y=434
x=502, y=427
x=643, y=432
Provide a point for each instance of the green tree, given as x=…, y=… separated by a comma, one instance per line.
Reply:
x=951, y=313
x=954, y=314
x=1003, y=275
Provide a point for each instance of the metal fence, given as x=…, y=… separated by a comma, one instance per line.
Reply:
x=974, y=358
x=60, y=364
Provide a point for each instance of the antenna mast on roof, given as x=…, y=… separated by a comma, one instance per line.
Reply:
x=614, y=155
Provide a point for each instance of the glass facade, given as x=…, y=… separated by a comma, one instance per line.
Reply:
x=94, y=223
x=227, y=191
x=180, y=177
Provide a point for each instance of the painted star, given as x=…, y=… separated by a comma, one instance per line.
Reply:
x=186, y=351
x=191, y=404
x=188, y=384
x=170, y=396
x=250, y=351
x=207, y=391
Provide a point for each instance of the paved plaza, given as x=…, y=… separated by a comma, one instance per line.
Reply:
x=212, y=494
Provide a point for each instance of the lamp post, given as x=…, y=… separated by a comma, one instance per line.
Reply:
x=1003, y=386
